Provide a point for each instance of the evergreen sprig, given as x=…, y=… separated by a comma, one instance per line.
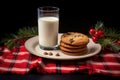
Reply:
x=99, y=25
x=112, y=35
x=23, y=33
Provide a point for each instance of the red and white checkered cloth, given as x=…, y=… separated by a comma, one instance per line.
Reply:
x=20, y=61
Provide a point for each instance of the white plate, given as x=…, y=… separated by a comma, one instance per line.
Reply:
x=33, y=47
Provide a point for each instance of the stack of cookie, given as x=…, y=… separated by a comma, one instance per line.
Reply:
x=74, y=43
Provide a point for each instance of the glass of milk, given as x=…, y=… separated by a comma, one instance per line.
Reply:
x=48, y=27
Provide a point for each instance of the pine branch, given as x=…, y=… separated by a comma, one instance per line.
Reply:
x=22, y=33
x=114, y=47
x=110, y=37
x=104, y=42
x=111, y=32
x=109, y=43
x=99, y=25
x=27, y=32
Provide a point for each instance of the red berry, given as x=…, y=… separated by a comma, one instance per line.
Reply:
x=101, y=35
x=100, y=32
x=118, y=42
x=96, y=34
x=95, y=39
x=92, y=31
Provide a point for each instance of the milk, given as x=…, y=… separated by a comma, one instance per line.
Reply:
x=48, y=31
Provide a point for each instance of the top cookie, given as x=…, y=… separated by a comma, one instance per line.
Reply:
x=75, y=38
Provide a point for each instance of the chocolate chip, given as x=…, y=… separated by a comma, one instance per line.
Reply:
x=82, y=36
x=45, y=53
x=57, y=54
x=50, y=53
x=71, y=40
x=78, y=35
x=75, y=35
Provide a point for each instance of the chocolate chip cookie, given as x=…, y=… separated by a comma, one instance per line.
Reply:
x=78, y=50
x=71, y=46
x=75, y=53
x=75, y=38
x=74, y=43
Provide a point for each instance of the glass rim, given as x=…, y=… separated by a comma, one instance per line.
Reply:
x=48, y=8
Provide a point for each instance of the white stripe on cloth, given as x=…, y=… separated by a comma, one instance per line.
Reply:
x=14, y=69
x=6, y=50
x=22, y=46
x=101, y=63
x=18, y=61
x=21, y=53
x=108, y=71
x=62, y=68
x=20, y=69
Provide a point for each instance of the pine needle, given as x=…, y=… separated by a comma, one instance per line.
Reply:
x=26, y=32
x=111, y=37
x=112, y=32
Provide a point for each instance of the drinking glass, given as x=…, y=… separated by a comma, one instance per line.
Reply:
x=48, y=27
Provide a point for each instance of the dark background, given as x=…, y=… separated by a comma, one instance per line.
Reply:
x=75, y=15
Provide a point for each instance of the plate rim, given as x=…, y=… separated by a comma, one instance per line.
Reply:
x=57, y=58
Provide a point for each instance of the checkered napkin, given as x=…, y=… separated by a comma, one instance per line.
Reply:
x=20, y=61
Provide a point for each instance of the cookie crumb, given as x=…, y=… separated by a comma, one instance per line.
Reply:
x=45, y=53
x=57, y=54
x=50, y=53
